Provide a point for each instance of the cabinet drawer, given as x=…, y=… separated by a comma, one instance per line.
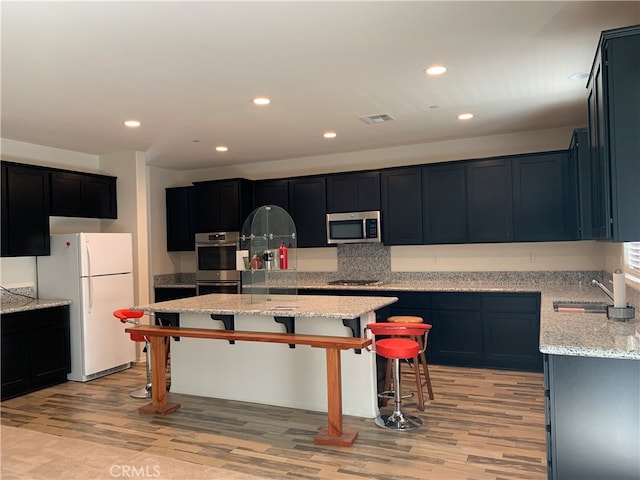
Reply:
x=516, y=303
x=456, y=301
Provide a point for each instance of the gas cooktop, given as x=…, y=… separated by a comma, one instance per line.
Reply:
x=355, y=282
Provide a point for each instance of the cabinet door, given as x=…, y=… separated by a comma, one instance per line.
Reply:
x=25, y=211
x=542, y=189
x=271, y=192
x=99, y=197
x=15, y=363
x=456, y=336
x=353, y=192
x=512, y=331
x=444, y=203
x=582, y=163
x=621, y=102
x=75, y=194
x=490, y=208
x=222, y=205
x=402, y=206
x=180, y=219
x=308, y=209
x=600, y=202
x=50, y=351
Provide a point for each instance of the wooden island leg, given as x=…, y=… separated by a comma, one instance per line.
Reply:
x=158, y=403
x=334, y=434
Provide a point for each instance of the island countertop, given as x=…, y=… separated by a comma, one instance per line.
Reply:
x=328, y=306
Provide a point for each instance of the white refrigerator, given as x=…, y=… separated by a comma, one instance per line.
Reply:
x=94, y=271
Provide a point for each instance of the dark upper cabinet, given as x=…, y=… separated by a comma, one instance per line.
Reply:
x=271, y=192
x=581, y=162
x=180, y=219
x=353, y=192
x=308, y=209
x=25, y=210
x=614, y=122
x=402, y=206
x=544, y=191
x=489, y=200
x=444, y=203
x=222, y=205
x=76, y=194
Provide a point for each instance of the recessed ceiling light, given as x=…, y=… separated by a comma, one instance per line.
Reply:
x=222, y=148
x=435, y=70
x=132, y=123
x=578, y=76
x=261, y=101
x=465, y=116
x=330, y=135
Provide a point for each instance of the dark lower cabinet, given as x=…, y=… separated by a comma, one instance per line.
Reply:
x=35, y=350
x=471, y=329
x=511, y=331
x=456, y=335
x=593, y=418
x=173, y=293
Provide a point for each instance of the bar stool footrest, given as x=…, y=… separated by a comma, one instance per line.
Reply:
x=397, y=421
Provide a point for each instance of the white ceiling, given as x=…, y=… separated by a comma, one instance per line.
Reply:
x=72, y=72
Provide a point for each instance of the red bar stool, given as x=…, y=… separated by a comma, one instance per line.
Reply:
x=420, y=360
x=131, y=316
x=397, y=346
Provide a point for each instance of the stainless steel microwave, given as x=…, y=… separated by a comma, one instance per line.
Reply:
x=354, y=227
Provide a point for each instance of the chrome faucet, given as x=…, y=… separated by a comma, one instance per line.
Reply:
x=602, y=287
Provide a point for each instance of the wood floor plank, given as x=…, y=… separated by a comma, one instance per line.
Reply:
x=482, y=425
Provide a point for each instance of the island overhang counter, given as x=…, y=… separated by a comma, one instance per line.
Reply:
x=266, y=372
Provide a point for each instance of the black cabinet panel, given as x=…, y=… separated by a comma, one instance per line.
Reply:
x=76, y=194
x=594, y=418
x=542, y=192
x=402, y=206
x=222, y=205
x=581, y=162
x=308, y=209
x=166, y=294
x=489, y=197
x=353, y=192
x=271, y=192
x=25, y=210
x=444, y=203
x=180, y=219
x=35, y=350
x=614, y=123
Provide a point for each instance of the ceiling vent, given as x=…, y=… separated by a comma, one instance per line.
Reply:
x=380, y=118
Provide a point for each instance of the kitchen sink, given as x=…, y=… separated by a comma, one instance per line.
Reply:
x=579, y=307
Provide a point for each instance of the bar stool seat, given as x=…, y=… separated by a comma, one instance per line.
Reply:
x=131, y=316
x=396, y=346
x=420, y=360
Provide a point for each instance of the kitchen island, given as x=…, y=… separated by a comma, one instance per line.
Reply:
x=268, y=372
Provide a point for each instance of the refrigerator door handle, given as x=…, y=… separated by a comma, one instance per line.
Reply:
x=90, y=277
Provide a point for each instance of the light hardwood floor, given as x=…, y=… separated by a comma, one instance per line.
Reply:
x=482, y=424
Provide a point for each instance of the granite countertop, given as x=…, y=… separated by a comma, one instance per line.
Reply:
x=26, y=304
x=302, y=306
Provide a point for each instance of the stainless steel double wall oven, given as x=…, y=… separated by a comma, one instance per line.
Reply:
x=216, y=263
